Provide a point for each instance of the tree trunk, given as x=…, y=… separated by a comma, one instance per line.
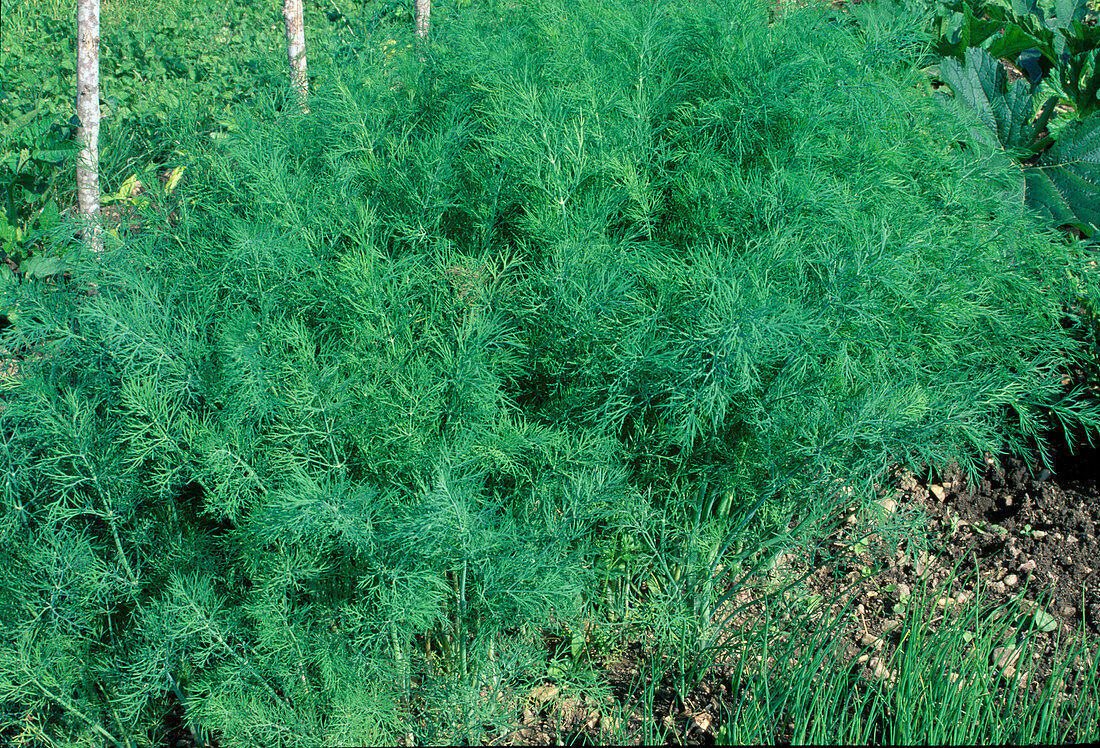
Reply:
x=87, y=111
x=423, y=17
x=296, y=49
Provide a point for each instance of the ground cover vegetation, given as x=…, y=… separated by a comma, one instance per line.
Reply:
x=166, y=68
x=945, y=682
x=537, y=340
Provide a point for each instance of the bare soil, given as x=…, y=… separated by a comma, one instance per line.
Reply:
x=1012, y=535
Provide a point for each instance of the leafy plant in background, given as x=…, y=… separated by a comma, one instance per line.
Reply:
x=1059, y=36
x=34, y=154
x=33, y=151
x=164, y=67
x=1057, y=45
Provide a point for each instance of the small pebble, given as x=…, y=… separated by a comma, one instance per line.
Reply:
x=870, y=640
x=879, y=670
x=1004, y=657
x=1011, y=580
x=702, y=721
x=997, y=587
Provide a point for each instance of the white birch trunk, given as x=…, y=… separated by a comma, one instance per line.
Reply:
x=296, y=49
x=87, y=111
x=423, y=17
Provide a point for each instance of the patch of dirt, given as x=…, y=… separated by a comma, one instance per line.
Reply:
x=1013, y=535
x=1038, y=531
x=556, y=717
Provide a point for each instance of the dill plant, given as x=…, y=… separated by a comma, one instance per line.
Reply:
x=563, y=323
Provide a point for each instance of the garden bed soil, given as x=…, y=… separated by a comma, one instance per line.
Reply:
x=1014, y=533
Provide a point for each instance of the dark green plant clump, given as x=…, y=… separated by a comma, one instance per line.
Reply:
x=511, y=339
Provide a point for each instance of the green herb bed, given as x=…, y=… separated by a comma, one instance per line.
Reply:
x=543, y=334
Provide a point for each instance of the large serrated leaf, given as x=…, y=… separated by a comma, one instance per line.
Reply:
x=1065, y=183
x=964, y=29
x=981, y=85
x=1012, y=42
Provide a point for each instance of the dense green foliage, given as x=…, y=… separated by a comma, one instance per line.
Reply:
x=164, y=69
x=548, y=330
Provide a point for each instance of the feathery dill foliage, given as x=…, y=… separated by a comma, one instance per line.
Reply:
x=484, y=346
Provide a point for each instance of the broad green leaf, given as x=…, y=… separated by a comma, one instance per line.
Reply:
x=1052, y=15
x=1068, y=11
x=963, y=30
x=1044, y=621
x=979, y=28
x=126, y=191
x=18, y=123
x=1081, y=38
x=1025, y=7
x=56, y=151
x=981, y=85
x=1013, y=41
x=50, y=216
x=1065, y=184
x=42, y=267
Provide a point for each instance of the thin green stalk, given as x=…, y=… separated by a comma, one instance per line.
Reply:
x=64, y=704
x=110, y=517
x=216, y=635
x=1043, y=119
x=462, y=620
